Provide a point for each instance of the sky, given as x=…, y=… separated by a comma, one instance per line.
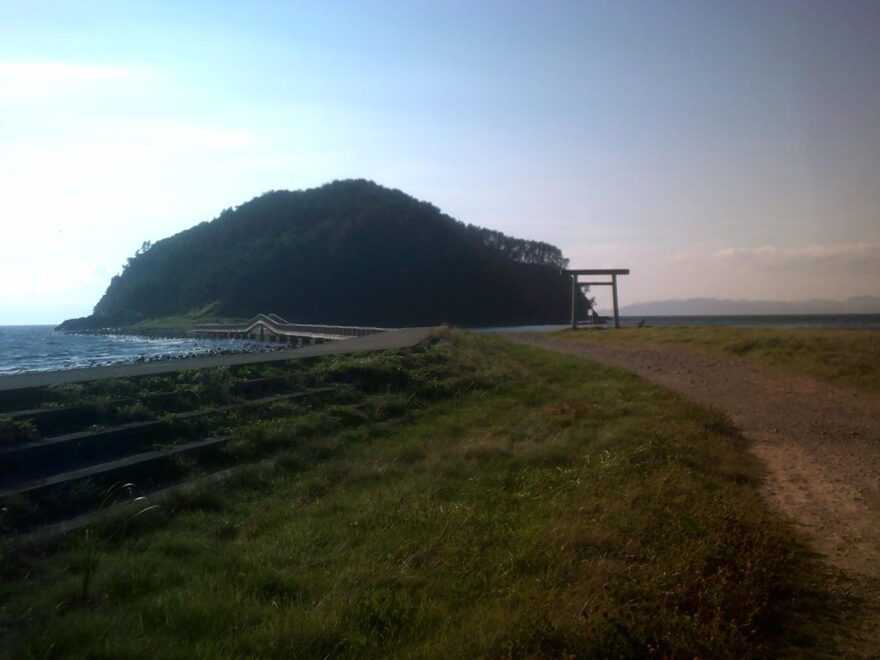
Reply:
x=723, y=149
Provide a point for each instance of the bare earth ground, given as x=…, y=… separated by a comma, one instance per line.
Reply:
x=820, y=444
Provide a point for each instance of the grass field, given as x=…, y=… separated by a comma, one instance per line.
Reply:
x=467, y=499
x=181, y=322
x=843, y=357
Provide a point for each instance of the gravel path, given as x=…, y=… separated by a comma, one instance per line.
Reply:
x=820, y=444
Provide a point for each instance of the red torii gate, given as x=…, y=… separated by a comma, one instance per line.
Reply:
x=576, y=273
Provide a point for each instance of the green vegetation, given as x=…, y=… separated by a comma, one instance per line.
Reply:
x=465, y=499
x=12, y=431
x=393, y=260
x=843, y=357
x=182, y=322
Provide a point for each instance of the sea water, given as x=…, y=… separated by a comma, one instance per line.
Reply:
x=25, y=348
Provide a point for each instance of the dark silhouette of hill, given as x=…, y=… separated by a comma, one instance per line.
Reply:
x=349, y=252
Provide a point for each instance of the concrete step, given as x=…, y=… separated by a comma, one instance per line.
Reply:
x=86, y=413
x=35, y=414
x=47, y=456
x=63, y=490
x=111, y=466
x=130, y=507
x=30, y=396
x=255, y=385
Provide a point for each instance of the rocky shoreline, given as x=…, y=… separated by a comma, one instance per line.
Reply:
x=247, y=347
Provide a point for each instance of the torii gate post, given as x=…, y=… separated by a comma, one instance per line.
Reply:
x=575, y=285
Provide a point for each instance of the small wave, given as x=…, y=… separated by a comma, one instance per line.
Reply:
x=26, y=349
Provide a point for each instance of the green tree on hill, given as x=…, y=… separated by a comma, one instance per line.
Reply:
x=349, y=252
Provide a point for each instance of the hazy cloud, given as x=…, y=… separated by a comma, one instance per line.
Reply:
x=855, y=255
x=46, y=282
x=27, y=80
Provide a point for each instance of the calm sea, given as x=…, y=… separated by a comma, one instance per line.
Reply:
x=39, y=348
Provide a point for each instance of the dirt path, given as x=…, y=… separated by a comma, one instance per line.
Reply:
x=820, y=444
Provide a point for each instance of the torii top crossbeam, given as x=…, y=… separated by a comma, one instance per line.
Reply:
x=575, y=284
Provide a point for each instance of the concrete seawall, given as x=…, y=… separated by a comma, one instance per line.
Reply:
x=390, y=340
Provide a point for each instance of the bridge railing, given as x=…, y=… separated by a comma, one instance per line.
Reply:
x=284, y=328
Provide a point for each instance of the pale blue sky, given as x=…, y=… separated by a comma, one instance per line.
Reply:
x=716, y=148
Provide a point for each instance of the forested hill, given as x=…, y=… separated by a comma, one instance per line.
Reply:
x=349, y=252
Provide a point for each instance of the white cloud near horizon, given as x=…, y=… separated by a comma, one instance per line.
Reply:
x=845, y=255
x=711, y=270
x=48, y=282
x=73, y=185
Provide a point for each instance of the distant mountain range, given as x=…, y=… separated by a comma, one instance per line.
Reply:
x=723, y=307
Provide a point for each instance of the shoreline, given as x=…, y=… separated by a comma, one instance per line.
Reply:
x=387, y=340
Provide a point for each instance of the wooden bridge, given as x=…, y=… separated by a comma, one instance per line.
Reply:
x=273, y=328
